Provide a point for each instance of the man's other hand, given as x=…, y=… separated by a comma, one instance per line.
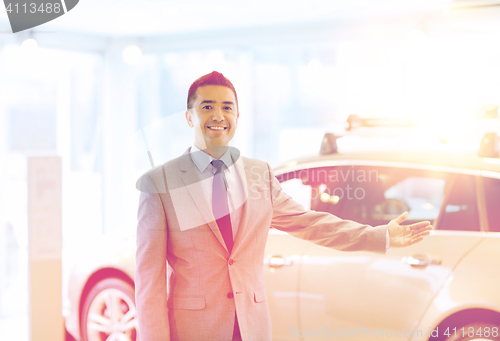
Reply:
x=406, y=235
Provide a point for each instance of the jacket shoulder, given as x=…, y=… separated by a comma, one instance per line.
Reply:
x=153, y=181
x=254, y=162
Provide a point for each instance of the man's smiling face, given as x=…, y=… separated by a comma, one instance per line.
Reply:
x=214, y=116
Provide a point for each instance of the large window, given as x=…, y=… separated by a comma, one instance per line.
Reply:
x=51, y=105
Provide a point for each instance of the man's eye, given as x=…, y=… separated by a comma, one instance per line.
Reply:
x=228, y=108
x=207, y=107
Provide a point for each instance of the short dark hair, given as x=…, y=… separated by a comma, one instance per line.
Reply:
x=213, y=78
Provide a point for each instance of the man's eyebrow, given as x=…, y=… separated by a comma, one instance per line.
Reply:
x=209, y=101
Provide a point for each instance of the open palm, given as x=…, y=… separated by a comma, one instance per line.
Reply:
x=406, y=235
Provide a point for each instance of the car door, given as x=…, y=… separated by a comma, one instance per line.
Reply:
x=370, y=295
x=282, y=262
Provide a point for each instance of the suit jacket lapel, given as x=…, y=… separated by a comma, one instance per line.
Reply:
x=244, y=174
x=192, y=182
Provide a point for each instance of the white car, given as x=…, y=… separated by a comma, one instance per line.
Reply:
x=446, y=287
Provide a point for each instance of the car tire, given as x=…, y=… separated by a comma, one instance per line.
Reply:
x=478, y=328
x=109, y=309
x=68, y=336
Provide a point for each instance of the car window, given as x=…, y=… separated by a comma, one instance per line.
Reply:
x=376, y=195
x=460, y=211
x=423, y=195
x=299, y=192
x=492, y=197
x=346, y=192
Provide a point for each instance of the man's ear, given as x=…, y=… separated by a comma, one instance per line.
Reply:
x=189, y=119
x=237, y=117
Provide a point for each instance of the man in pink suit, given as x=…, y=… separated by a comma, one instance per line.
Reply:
x=203, y=221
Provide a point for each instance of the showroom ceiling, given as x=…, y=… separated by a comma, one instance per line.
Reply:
x=154, y=17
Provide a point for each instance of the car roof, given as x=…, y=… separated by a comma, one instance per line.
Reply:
x=434, y=159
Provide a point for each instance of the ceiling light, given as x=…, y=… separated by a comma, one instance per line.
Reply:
x=132, y=54
x=29, y=44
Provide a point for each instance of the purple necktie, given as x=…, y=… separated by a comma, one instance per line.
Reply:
x=220, y=207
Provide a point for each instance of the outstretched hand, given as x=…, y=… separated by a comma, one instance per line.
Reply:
x=406, y=235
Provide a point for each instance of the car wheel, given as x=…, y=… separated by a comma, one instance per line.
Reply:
x=68, y=336
x=109, y=312
x=476, y=331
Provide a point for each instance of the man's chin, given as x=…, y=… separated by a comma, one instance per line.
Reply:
x=218, y=141
x=217, y=146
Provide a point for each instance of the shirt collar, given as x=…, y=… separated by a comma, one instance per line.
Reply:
x=202, y=159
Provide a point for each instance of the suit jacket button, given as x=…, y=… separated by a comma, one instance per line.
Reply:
x=230, y=295
x=231, y=262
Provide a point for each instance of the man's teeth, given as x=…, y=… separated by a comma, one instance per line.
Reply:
x=217, y=128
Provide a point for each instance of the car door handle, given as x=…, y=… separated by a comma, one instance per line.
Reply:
x=421, y=261
x=278, y=262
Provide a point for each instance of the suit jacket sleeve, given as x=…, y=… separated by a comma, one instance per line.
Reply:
x=151, y=265
x=323, y=228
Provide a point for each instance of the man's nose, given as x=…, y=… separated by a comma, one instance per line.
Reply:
x=218, y=115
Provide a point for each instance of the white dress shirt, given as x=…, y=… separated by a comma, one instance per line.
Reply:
x=235, y=189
